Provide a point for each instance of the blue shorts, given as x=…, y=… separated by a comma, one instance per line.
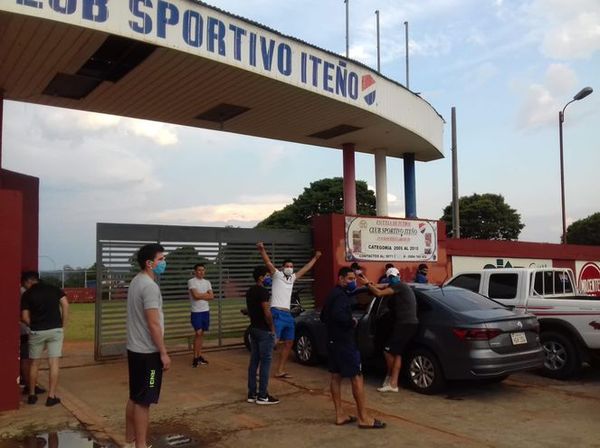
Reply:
x=201, y=320
x=284, y=324
x=343, y=359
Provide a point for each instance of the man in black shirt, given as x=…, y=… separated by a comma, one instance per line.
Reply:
x=44, y=308
x=262, y=337
x=343, y=355
x=402, y=306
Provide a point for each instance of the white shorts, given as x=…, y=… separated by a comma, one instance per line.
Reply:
x=51, y=339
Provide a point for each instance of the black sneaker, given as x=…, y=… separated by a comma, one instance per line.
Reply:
x=202, y=361
x=32, y=399
x=251, y=398
x=195, y=362
x=267, y=400
x=51, y=401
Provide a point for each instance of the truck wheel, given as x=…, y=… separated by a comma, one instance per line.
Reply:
x=305, y=348
x=247, y=339
x=561, y=356
x=423, y=372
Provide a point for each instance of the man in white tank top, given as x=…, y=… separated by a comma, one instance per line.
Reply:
x=281, y=297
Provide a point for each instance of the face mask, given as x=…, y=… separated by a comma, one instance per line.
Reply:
x=288, y=271
x=160, y=267
x=267, y=281
x=351, y=286
x=394, y=280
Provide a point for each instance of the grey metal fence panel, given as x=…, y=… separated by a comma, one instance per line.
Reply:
x=229, y=255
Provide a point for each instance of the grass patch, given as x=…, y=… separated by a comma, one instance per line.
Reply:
x=81, y=322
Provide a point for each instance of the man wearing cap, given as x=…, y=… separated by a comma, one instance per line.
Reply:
x=403, y=324
x=421, y=276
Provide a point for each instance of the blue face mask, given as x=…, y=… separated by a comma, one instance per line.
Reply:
x=351, y=286
x=267, y=281
x=394, y=280
x=160, y=267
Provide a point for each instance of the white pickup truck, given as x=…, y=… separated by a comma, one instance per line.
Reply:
x=569, y=321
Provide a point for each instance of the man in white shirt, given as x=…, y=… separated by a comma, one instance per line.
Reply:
x=200, y=292
x=281, y=297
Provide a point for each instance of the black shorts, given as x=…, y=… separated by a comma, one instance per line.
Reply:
x=145, y=377
x=24, y=347
x=400, y=338
x=344, y=359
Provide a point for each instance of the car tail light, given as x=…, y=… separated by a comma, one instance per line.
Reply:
x=476, y=334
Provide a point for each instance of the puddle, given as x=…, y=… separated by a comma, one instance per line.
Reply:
x=58, y=439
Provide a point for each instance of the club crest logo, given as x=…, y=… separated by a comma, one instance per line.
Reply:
x=368, y=89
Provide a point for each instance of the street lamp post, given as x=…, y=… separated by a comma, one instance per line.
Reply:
x=561, y=118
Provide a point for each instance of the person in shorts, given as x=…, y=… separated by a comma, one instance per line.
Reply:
x=28, y=279
x=281, y=298
x=45, y=310
x=403, y=324
x=147, y=355
x=200, y=292
x=343, y=354
x=262, y=338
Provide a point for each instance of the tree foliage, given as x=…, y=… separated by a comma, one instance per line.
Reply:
x=485, y=217
x=585, y=231
x=321, y=197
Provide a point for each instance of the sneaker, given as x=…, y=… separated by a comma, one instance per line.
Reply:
x=195, y=362
x=386, y=381
x=202, y=361
x=251, y=398
x=51, y=401
x=32, y=399
x=267, y=400
x=387, y=388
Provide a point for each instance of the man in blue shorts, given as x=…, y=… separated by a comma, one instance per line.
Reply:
x=281, y=297
x=343, y=354
x=200, y=292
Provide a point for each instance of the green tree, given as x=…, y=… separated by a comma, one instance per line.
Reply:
x=585, y=231
x=321, y=197
x=485, y=217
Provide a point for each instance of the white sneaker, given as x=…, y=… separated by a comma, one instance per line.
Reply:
x=387, y=388
x=386, y=381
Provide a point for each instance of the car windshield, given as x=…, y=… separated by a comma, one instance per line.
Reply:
x=459, y=299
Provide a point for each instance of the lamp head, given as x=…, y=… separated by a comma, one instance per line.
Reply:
x=583, y=93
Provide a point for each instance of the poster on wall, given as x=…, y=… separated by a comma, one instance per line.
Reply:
x=588, y=277
x=389, y=239
x=463, y=264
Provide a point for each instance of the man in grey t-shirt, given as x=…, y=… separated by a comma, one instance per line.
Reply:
x=146, y=353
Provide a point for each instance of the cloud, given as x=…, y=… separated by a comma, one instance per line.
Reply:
x=249, y=210
x=543, y=101
x=568, y=30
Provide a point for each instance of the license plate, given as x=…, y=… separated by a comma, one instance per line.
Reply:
x=518, y=338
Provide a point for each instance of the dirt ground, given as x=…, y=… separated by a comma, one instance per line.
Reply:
x=207, y=405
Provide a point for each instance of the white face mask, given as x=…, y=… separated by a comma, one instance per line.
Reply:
x=288, y=271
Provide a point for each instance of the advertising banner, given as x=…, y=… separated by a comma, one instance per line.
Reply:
x=390, y=239
x=588, y=277
x=462, y=263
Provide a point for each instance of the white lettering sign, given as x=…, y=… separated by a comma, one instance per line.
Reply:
x=389, y=239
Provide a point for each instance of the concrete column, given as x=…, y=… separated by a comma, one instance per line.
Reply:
x=349, y=179
x=410, y=189
x=381, y=182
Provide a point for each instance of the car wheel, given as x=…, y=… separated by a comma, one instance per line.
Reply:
x=423, y=372
x=305, y=348
x=247, y=339
x=561, y=356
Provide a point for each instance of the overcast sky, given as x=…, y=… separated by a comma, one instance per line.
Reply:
x=507, y=65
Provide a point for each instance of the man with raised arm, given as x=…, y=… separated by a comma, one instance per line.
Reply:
x=281, y=297
x=146, y=352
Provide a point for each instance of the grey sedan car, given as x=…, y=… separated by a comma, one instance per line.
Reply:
x=462, y=335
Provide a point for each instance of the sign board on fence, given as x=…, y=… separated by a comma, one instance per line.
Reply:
x=390, y=239
x=588, y=277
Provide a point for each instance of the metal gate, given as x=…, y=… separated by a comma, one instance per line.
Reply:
x=229, y=254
